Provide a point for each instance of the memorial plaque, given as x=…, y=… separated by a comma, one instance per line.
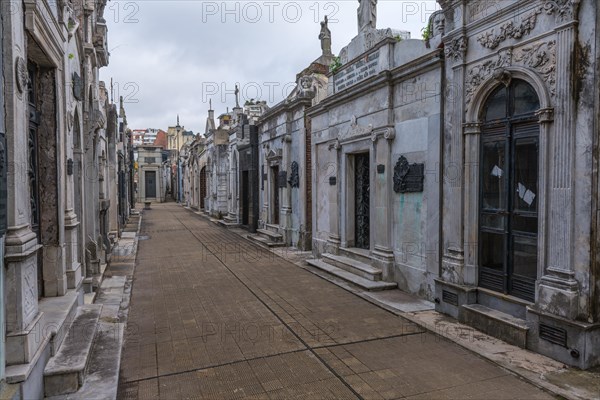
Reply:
x=380, y=168
x=408, y=178
x=282, y=183
x=357, y=72
x=332, y=180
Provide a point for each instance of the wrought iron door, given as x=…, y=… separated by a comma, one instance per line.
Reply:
x=275, y=188
x=150, y=184
x=202, y=187
x=33, y=169
x=361, y=201
x=508, y=220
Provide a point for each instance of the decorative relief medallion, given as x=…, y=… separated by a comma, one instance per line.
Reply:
x=456, y=49
x=21, y=77
x=509, y=30
x=294, y=180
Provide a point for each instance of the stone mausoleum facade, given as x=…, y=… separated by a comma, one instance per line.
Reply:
x=463, y=169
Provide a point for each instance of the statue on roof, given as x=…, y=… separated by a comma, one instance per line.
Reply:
x=237, y=96
x=367, y=15
x=325, y=38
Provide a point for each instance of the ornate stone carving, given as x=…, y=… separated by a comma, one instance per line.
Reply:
x=29, y=289
x=479, y=73
x=472, y=128
x=356, y=130
x=565, y=10
x=334, y=145
x=509, y=30
x=294, y=180
x=388, y=133
x=545, y=115
x=306, y=87
x=456, y=49
x=21, y=75
x=77, y=86
x=408, y=178
x=541, y=57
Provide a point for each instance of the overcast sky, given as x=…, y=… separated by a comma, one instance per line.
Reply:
x=169, y=56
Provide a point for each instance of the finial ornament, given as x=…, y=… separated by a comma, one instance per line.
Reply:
x=237, y=96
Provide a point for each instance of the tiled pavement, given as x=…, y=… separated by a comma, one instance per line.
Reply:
x=214, y=316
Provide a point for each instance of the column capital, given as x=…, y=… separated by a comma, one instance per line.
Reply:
x=472, y=128
x=545, y=115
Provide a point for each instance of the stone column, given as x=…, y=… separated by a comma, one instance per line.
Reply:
x=21, y=243
x=472, y=138
x=452, y=171
x=334, y=240
x=558, y=291
x=382, y=189
x=286, y=192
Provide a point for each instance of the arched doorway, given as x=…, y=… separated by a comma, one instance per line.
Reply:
x=509, y=195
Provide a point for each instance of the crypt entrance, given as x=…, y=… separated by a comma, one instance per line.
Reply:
x=361, y=201
x=509, y=191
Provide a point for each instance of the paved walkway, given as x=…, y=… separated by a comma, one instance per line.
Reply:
x=214, y=316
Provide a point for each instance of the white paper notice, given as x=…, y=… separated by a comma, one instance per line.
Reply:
x=497, y=171
x=525, y=194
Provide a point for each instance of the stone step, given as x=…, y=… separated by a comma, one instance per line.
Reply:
x=272, y=236
x=263, y=241
x=355, y=253
x=272, y=227
x=496, y=323
x=227, y=224
x=65, y=372
x=356, y=267
x=102, y=377
x=361, y=282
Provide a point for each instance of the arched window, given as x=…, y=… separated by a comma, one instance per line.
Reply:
x=509, y=195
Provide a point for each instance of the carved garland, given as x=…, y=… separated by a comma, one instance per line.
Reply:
x=565, y=10
x=510, y=31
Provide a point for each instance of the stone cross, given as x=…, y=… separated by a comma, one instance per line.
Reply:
x=367, y=15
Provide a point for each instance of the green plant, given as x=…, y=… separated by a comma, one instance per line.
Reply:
x=335, y=65
x=426, y=32
x=398, y=38
x=71, y=56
